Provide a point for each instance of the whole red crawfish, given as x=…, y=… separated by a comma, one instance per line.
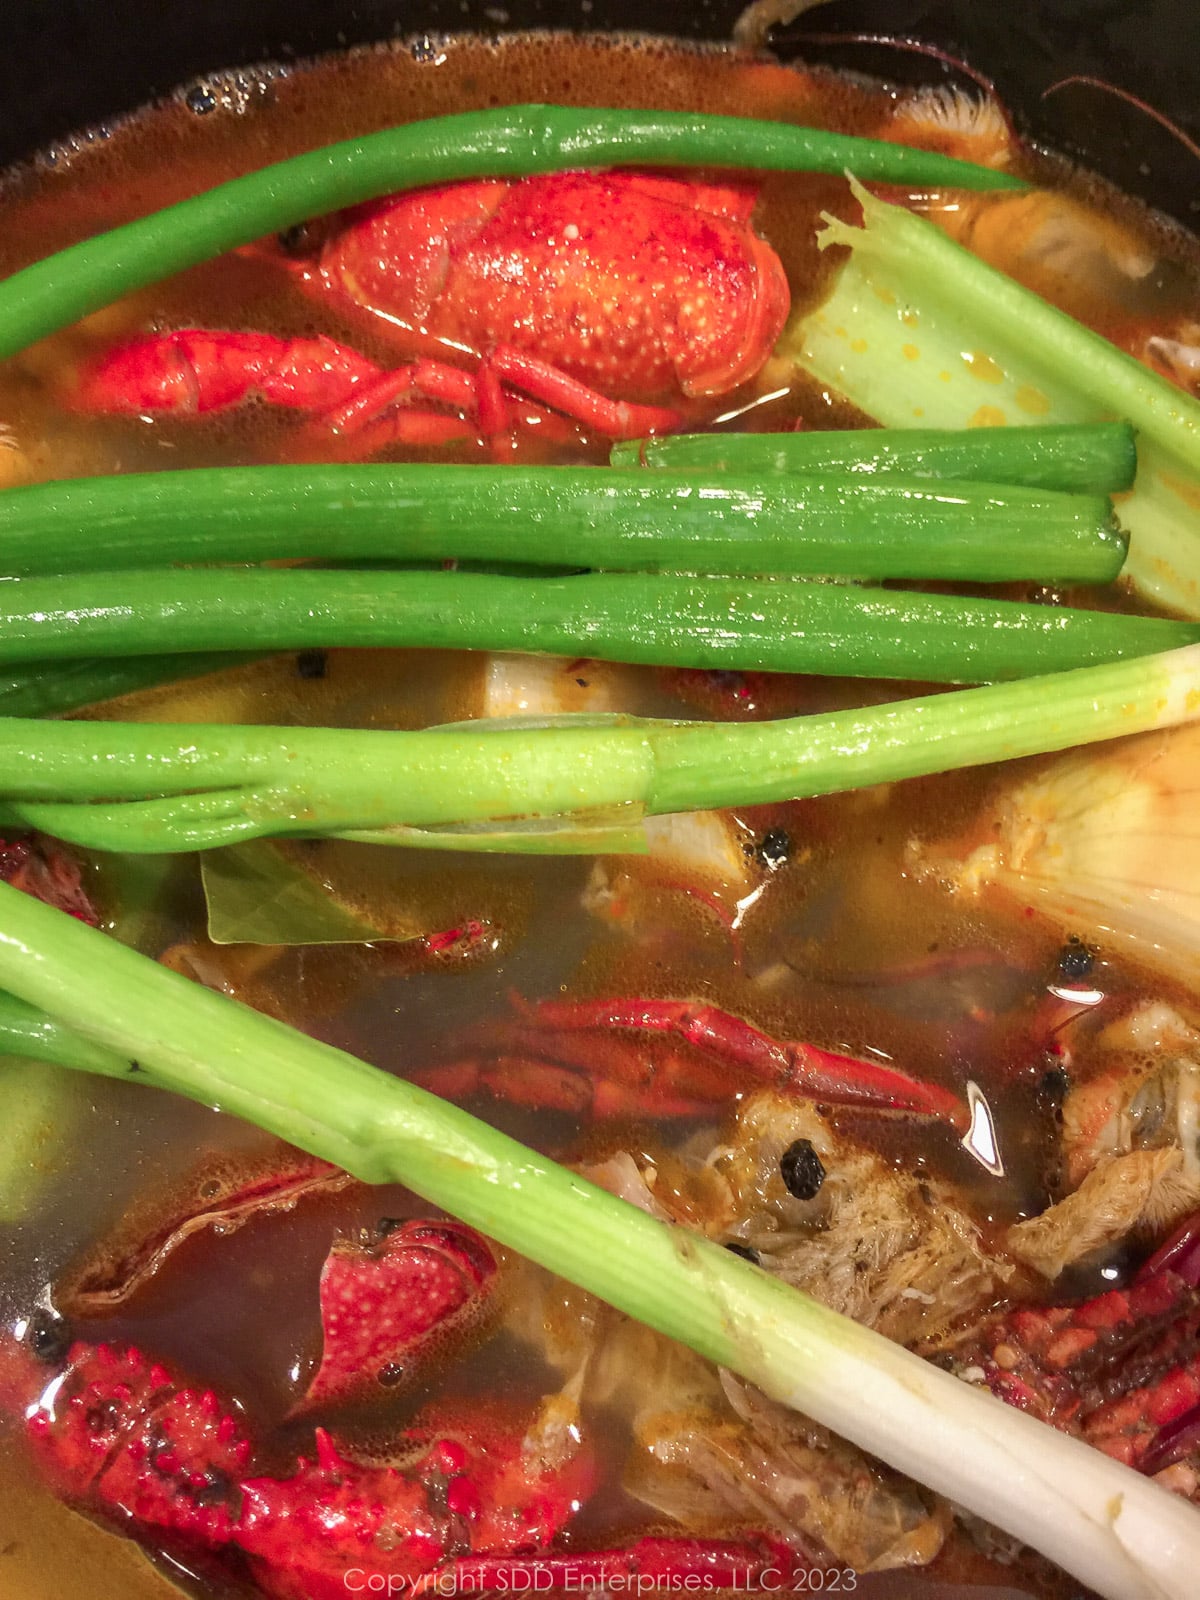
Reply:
x=607, y=297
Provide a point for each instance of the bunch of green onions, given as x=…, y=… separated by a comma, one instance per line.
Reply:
x=862, y=509
x=910, y=508
x=857, y=508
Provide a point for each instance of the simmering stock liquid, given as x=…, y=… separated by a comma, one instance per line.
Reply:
x=825, y=935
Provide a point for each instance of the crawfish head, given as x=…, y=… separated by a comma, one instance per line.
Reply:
x=643, y=286
x=118, y=1432
x=463, y=1489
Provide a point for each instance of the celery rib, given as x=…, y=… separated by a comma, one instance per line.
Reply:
x=940, y=339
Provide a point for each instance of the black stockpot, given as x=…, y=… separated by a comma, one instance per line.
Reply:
x=66, y=64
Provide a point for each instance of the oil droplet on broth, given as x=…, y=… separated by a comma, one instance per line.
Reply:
x=987, y=417
x=1032, y=400
x=980, y=365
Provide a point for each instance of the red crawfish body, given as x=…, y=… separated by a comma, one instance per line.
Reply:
x=607, y=297
x=479, y=1492
x=1122, y=1370
x=642, y=287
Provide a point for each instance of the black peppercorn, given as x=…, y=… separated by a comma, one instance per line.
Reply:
x=802, y=1170
x=303, y=241
x=1054, y=1082
x=774, y=848
x=736, y=1248
x=311, y=664
x=201, y=100
x=48, y=1335
x=1075, y=960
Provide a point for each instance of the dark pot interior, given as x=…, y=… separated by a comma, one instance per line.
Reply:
x=68, y=64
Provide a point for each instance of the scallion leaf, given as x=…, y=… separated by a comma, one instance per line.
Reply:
x=1095, y=458
x=716, y=623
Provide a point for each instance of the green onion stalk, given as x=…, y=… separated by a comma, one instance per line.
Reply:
x=1096, y=458
x=717, y=623
x=1112, y=1529
x=541, y=516
x=509, y=142
x=150, y=788
x=917, y=331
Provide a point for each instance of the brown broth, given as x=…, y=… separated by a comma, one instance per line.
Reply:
x=822, y=955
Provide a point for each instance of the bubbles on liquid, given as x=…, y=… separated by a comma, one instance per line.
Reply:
x=61, y=154
x=201, y=100
x=233, y=91
x=428, y=49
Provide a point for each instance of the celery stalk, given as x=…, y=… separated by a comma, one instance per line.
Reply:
x=1115, y=1531
x=919, y=332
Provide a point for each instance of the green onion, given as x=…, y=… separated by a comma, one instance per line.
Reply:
x=28, y=1032
x=511, y=141
x=1114, y=1530
x=918, y=331
x=45, y=688
x=597, y=518
x=142, y=787
x=1095, y=458
x=734, y=623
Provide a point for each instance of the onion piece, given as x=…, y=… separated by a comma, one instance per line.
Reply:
x=1104, y=843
